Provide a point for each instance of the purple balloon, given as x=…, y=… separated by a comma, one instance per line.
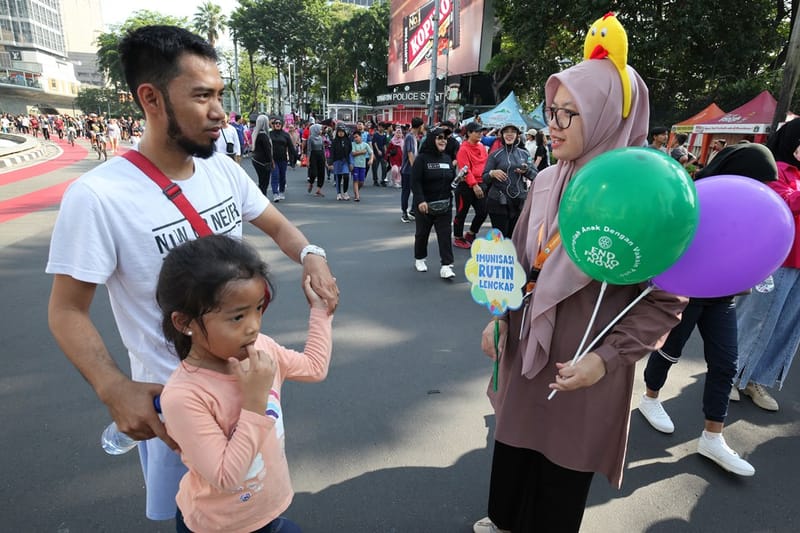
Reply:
x=745, y=233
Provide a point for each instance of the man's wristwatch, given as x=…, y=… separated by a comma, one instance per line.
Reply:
x=312, y=249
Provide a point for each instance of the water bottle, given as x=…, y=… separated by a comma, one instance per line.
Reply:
x=459, y=177
x=768, y=285
x=115, y=442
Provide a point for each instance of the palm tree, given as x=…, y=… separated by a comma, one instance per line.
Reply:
x=209, y=21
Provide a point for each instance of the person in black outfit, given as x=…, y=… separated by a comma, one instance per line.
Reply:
x=340, y=162
x=281, y=145
x=315, y=147
x=379, y=143
x=262, y=153
x=541, y=159
x=431, y=176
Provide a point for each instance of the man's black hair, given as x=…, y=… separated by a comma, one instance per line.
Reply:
x=150, y=54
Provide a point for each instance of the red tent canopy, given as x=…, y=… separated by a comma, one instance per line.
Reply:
x=711, y=112
x=754, y=118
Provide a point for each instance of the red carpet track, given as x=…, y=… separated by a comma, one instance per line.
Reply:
x=71, y=155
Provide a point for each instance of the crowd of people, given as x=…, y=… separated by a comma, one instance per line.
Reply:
x=208, y=295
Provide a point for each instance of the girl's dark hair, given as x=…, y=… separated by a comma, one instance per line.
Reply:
x=539, y=139
x=150, y=54
x=193, y=276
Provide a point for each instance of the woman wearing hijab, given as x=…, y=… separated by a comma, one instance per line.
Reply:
x=505, y=178
x=262, y=153
x=546, y=451
x=316, y=159
x=768, y=322
x=394, y=153
x=431, y=176
x=341, y=162
x=716, y=320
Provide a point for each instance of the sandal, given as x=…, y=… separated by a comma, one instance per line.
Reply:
x=356, y=199
x=318, y=193
x=310, y=186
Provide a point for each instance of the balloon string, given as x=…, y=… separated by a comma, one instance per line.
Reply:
x=610, y=325
x=588, y=329
x=616, y=319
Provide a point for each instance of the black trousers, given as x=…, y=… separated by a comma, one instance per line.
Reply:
x=530, y=494
x=263, y=172
x=465, y=198
x=316, y=167
x=424, y=224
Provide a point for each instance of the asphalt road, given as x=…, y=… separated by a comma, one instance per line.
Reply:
x=397, y=439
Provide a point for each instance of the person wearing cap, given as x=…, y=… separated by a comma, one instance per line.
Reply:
x=505, y=178
x=658, y=138
x=472, y=155
x=530, y=141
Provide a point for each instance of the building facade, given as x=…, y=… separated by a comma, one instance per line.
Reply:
x=37, y=73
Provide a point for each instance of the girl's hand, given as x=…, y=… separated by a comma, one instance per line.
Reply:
x=314, y=299
x=423, y=208
x=487, y=338
x=586, y=372
x=255, y=378
x=476, y=189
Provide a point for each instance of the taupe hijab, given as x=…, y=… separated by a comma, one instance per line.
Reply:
x=597, y=92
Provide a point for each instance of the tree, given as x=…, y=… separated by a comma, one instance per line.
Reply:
x=108, y=42
x=299, y=24
x=370, y=29
x=688, y=55
x=209, y=21
x=105, y=100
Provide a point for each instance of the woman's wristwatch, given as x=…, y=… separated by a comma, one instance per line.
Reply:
x=312, y=249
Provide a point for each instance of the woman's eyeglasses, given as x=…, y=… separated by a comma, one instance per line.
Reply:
x=562, y=116
x=441, y=137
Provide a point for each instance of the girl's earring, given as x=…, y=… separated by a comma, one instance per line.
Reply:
x=189, y=332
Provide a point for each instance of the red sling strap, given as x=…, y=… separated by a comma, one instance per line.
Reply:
x=171, y=190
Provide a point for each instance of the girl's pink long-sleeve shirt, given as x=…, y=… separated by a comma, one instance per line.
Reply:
x=238, y=478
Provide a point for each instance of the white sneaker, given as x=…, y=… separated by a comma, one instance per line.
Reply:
x=420, y=265
x=654, y=412
x=446, y=272
x=717, y=450
x=485, y=525
x=760, y=396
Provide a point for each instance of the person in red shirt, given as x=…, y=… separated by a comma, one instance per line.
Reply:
x=469, y=193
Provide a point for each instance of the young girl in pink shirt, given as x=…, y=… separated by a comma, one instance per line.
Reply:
x=222, y=405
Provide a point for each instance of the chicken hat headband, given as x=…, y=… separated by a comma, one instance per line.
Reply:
x=606, y=39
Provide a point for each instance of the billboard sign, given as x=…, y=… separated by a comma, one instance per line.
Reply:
x=411, y=29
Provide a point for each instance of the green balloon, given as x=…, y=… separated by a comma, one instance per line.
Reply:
x=628, y=215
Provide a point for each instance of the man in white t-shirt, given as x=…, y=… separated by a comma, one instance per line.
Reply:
x=228, y=141
x=115, y=226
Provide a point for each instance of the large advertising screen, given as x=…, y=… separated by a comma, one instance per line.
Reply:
x=411, y=38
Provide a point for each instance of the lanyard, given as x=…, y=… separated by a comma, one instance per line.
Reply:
x=541, y=257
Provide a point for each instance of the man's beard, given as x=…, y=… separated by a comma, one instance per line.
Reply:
x=175, y=133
